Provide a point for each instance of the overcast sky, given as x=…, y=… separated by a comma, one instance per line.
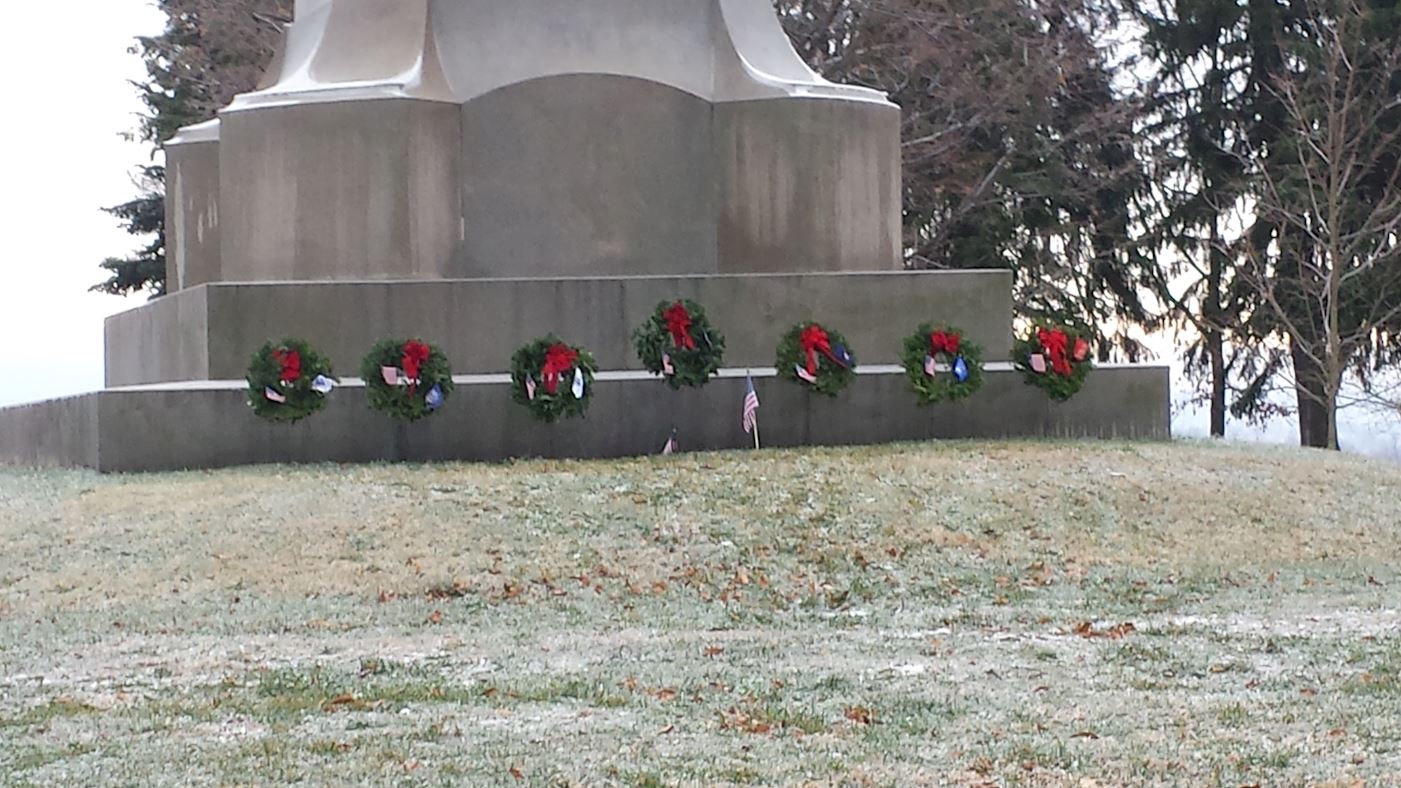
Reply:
x=64, y=158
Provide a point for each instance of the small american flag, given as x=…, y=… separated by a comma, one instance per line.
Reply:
x=751, y=407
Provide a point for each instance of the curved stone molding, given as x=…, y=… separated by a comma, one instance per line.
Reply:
x=349, y=50
x=458, y=50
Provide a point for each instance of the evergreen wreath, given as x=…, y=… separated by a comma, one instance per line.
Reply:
x=406, y=379
x=288, y=381
x=554, y=380
x=1055, y=359
x=941, y=364
x=817, y=357
x=678, y=343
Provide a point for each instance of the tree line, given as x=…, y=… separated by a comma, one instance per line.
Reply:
x=1227, y=171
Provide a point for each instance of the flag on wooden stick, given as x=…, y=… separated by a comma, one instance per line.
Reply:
x=750, y=418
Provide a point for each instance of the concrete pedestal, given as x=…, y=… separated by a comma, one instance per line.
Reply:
x=208, y=425
x=209, y=332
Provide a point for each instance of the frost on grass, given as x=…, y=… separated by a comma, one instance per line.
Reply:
x=1024, y=613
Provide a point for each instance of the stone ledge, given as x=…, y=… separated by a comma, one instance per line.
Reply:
x=209, y=332
x=208, y=425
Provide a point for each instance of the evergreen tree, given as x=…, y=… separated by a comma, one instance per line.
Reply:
x=209, y=52
x=1198, y=101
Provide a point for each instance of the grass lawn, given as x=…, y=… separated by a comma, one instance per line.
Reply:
x=965, y=614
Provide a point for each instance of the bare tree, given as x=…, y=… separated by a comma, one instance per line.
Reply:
x=1329, y=273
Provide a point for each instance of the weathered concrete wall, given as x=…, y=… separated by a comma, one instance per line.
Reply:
x=808, y=185
x=480, y=323
x=165, y=340
x=192, y=214
x=175, y=428
x=57, y=433
x=356, y=190
x=587, y=175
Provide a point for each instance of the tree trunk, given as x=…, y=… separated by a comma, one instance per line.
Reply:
x=1216, y=348
x=1215, y=340
x=1317, y=422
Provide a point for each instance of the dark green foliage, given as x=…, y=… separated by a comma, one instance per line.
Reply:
x=404, y=403
x=694, y=367
x=143, y=217
x=831, y=376
x=528, y=363
x=1019, y=148
x=265, y=372
x=942, y=387
x=209, y=52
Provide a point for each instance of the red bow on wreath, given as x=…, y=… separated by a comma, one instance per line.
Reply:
x=945, y=342
x=814, y=340
x=559, y=359
x=291, y=362
x=678, y=322
x=1057, y=345
x=415, y=355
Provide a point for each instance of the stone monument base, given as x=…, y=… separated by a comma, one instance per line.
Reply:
x=207, y=424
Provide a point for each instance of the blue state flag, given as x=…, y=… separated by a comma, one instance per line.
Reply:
x=960, y=370
x=435, y=398
x=843, y=356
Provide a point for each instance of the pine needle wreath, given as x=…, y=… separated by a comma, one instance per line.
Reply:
x=406, y=379
x=1055, y=359
x=288, y=381
x=678, y=343
x=816, y=357
x=554, y=380
x=941, y=364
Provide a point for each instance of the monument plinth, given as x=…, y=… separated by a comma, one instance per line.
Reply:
x=464, y=139
x=480, y=173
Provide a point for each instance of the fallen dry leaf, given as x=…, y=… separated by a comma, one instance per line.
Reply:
x=1087, y=630
x=860, y=715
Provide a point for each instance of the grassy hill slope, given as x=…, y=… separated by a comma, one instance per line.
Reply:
x=975, y=613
